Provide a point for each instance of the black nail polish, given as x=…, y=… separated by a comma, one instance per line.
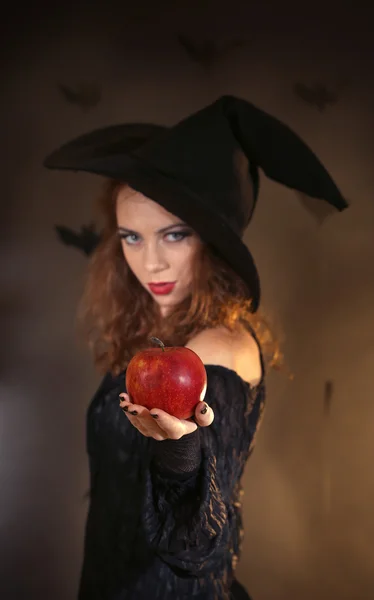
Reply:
x=204, y=410
x=125, y=408
x=154, y=416
x=134, y=412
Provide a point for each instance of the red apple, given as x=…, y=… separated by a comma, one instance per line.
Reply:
x=170, y=378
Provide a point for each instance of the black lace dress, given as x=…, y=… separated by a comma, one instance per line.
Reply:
x=157, y=531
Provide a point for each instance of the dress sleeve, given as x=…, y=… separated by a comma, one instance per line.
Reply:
x=188, y=515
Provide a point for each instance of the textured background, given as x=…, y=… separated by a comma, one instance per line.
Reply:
x=303, y=540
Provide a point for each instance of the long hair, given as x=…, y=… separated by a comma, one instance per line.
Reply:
x=117, y=316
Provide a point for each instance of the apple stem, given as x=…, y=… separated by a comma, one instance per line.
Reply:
x=157, y=341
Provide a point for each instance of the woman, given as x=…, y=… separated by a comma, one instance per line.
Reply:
x=165, y=518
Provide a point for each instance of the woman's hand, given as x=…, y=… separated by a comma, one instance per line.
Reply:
x=159, y=425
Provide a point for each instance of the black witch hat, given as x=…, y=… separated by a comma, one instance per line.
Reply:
x=205, y=170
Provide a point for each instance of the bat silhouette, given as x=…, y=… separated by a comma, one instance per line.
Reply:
x=86, y=240
x=86, y=95
x=209, y=52
x=317, y=95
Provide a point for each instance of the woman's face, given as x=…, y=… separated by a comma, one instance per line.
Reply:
x=158, y=247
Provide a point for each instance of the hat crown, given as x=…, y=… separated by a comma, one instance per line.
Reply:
x=202, y=154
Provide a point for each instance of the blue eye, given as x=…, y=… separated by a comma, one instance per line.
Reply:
x=129, y=235
x=181, y=234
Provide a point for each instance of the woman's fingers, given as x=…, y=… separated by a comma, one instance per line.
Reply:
x=124, y=397
x=141, y=419
x=159, y=424
x=204, y=415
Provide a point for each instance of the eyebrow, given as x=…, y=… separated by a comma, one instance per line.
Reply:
x=162, y=230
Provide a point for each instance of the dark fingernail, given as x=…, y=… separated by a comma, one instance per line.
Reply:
x=204, y=410
x=134, y=412
x=154, y=415
x=125, y=408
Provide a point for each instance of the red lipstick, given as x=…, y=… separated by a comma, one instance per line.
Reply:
x=161, y=288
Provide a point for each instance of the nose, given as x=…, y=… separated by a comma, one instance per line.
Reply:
x=154, y=258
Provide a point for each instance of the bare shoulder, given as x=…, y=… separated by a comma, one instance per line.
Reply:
x=234, y=350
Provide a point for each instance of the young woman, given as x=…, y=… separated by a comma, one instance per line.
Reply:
x=164, y=520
